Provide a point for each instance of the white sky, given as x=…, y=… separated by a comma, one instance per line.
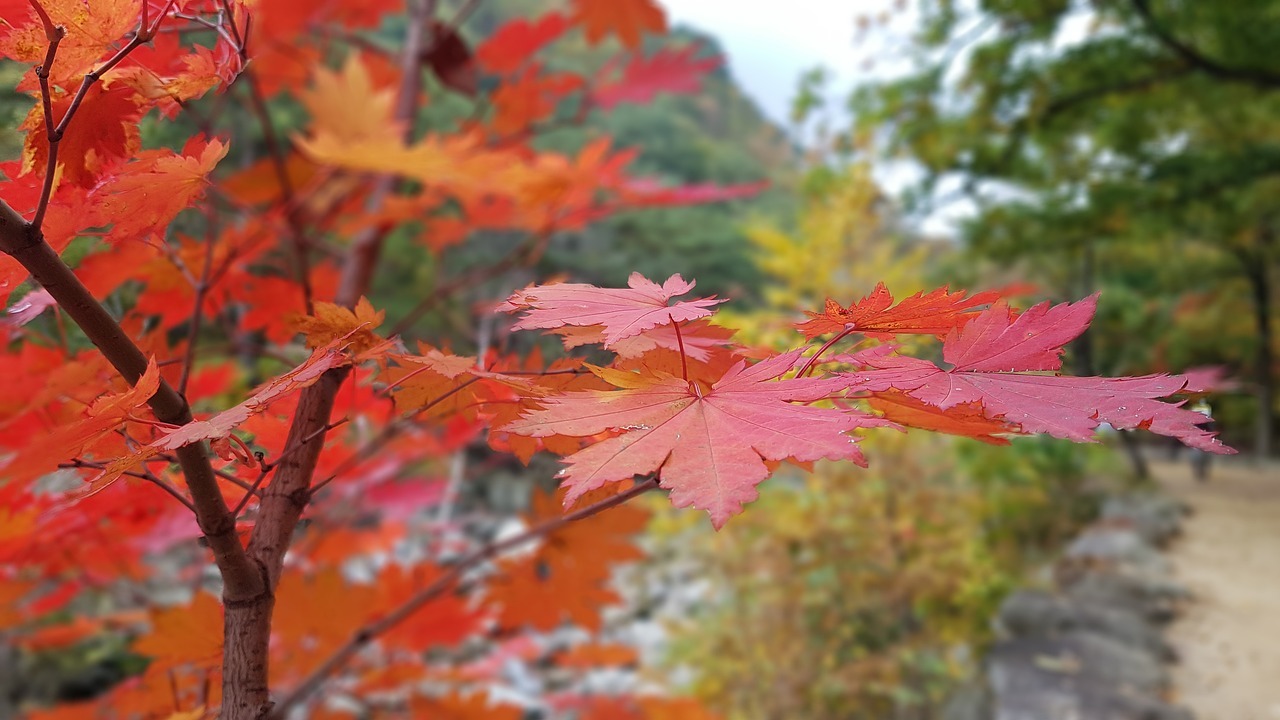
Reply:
x=770, y=43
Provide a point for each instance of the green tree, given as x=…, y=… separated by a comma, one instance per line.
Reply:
x=1109, y=144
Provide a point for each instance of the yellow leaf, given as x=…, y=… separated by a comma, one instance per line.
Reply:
x=331, y=322
x=346, y=108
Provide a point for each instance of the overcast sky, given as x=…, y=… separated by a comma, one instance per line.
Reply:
x=770, y=43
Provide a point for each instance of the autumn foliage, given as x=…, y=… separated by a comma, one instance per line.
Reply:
x=245, y=398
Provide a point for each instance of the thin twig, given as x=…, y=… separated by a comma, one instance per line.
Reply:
x=202, y=289
x=252, y=489
x=144, y=475
x=302, y=261
x=143, y=35
x=517, y=257
x=389, y=431
x=54, y=33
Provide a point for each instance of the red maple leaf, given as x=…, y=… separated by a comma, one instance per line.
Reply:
x=520, y=103
x=644, y=193
x=130, y=200
x=935, y=313
x=102, y=418
x=988, y=354
x=623, y=313
x=1032, y=341
x=711, y=446
x=666, y=71
x=107, y=132
x=514, y=43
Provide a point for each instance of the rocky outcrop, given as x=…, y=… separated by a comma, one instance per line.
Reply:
x=1091, y=646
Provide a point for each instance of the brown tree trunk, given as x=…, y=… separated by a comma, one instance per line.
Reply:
x=1258, y=273
x=247, y=628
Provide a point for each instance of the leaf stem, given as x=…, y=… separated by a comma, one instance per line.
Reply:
x=684, y=363
x=813, y=360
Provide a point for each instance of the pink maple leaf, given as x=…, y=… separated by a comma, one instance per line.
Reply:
x=622, y=312
x=990, y=351
x=709, y=447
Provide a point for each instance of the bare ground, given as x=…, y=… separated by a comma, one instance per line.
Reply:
x=1229, y=557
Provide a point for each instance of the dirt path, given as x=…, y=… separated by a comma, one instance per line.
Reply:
x=1229, y=557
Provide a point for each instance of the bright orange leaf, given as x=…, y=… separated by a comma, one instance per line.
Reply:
x=627, y=19
x=934, y=313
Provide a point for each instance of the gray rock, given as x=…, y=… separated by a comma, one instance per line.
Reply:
x=1035, y=613
x=1111, y=545
x=1156, y=517
x=1080, y=676
x=1156, y=598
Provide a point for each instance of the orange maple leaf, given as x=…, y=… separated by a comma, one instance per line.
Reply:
x=168, y=92
x=520, y=103
x=966, y=419
x=102, y=417
x=628, y=19
x=437, y=381
x=326, y=610
x=595, y=655
x=875, y=315
x=132, y=200
x=331, y=322
x=91, y=28
x=566, y=578
x=347, y=107
x=447, y=620
x=190, y=634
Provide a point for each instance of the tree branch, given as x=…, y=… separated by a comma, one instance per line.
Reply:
x=24, y=243
x=1252, y=76
x=440, y=586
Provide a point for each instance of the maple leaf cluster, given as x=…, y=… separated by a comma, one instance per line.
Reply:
x=714, y=432
x=242, y=402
